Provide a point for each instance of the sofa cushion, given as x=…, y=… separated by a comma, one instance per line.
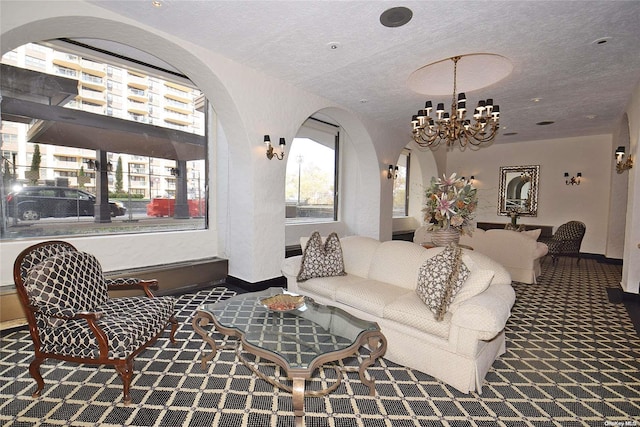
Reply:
x=127, y=322
x=321, y=260
x=370, y=296
x=397, y=262
x=357, y=252
x=500, y=274
x=408, y=309
x=440, y=278
x=327, y=286
x=57, y=291
x=477, y=282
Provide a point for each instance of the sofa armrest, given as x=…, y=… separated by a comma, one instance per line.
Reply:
x=486, y=313
x=290, y=269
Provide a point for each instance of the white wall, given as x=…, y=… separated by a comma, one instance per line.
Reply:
x=557, y=202
x=618, y=195
x=631, y=266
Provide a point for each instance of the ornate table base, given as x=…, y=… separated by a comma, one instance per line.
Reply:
x=374, y=339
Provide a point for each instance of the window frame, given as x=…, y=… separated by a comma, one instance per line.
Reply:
x=52, y=168
x=405, y=152
x=323, y=126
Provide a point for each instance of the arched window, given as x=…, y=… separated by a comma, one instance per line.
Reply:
x=131, y=145
x=401, y=185
x=312, y=174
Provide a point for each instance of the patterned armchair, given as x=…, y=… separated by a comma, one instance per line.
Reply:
x=71, y=317
x=566, y=240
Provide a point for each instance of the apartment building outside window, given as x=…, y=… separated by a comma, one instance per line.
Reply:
x=138, y=182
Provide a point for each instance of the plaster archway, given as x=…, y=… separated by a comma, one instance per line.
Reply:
x=619, y=194
x=100, y=28
x=184, y=246
x=362, y=178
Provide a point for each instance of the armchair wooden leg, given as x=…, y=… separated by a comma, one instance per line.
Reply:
x=126, y=372
x=34, y=370
x=174, y=328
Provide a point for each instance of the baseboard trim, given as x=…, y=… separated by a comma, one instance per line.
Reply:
x=292, y=250
x=189, y=289
x=276, y=282
x=177, y=278
x=601, y=258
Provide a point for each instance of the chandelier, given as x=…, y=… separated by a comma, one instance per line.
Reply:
x=453, y=127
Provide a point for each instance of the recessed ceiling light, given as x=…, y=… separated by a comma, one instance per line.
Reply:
x=536, y=99
x=591, y=116
x=396, y=16
x=333, y=45
x=545, y=123
x=601, y=40
x=156, y=3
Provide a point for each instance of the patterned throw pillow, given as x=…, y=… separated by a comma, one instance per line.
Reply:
x=440, y=278
x=320, y=260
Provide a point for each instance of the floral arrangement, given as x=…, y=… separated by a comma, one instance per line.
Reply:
x=450, y=202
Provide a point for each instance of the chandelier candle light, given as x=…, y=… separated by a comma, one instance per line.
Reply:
x=455, y=127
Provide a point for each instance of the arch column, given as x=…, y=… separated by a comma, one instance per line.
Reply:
x=182, y=205
x=102, y=211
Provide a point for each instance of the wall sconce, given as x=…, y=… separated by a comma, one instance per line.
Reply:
x=175, y=172
x=620, y=165
x=471, y=179
x=392, y=172
x=574, y=180
x=270, y=153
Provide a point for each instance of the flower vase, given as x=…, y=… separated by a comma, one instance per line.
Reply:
x=514, y=223
x=444, y=236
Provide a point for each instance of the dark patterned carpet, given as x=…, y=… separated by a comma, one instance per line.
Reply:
x=573, y=359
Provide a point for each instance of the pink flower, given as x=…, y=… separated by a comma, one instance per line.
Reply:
x=445, y=206
x=447, y=182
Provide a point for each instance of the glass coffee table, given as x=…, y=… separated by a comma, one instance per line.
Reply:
x=299, y=340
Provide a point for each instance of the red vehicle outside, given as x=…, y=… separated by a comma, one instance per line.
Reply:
x=160, y=207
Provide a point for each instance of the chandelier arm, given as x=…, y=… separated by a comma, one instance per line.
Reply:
x=478, y=135
x=426, y=139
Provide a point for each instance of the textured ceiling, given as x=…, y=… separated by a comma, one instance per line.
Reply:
x=552, y=46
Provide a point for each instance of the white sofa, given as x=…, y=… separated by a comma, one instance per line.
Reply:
x=380, y=286
x=519, y=252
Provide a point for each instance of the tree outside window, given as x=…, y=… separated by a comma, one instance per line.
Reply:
x=310, y=181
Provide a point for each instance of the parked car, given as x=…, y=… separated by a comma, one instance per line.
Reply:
x=33, y=203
